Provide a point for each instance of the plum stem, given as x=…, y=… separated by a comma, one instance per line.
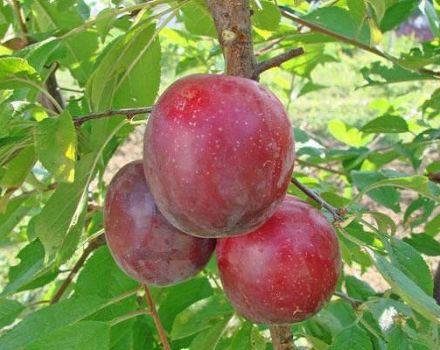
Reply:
x=153, y=312
x=336, y=213
x=282, y=338
x=355, y=303
x=94, y=244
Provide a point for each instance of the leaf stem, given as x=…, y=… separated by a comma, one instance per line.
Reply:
x=129, y=112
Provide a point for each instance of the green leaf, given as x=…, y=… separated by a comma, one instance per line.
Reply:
x=248, y=338
x=267, y=17
x=417, y=183
x=358, y=10
x=63, y=215
x=55, y=142
x=16, y=210
x=380, y=74
x=425, y=244
x=407, y=289
x=128, y=75
x=352, y=337
x=208, y=340
x=18, y=168
x=386, y=124
x=367, y=181
x=349, y=136
x=17, y=73
x=358, y=289
x=102, y=277
x=49, y=319
x=31, y=262
x=50, y=17
x=339, y=20
x=200, y=316
x=86, y=335
x=9, y=310
x=434, y=23
x=409, y=261
x=431, y=228
x=397, y=13
x=197, y=19
x=177, y=298
x=397, y=339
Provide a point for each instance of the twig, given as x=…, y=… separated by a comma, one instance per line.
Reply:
x=277, y=60
x=434, y=177
x=52, y=88
x=336, y=213
x=269, y=46
x=355, y=303
x=153, y=312
x=282, y=337
x=317, y=166
x=17, y=9
x=129, y=112
x=287, y=13
x=94, y=244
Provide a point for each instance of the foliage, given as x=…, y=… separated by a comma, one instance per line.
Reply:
x=51, y=168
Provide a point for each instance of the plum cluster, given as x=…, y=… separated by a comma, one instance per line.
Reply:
x=218, y=158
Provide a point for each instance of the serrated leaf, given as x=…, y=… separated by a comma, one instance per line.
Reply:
x=16, y=210
x=352, y=337
x=248, y=338
x=86, y=335
x=267, y=17
x=18, y=168
x=397, y=13
x=102, y=277
x=358, y=289
x=62, y=215
x=55, y=140
x=200, y=316
x=198, y=20
x=9, y=310
x=49, y=319
x=17, y=73
x=425, y=244
x=409, y=261
x=380, y=74
x=417, y=183
x=406, y=288
x=31, y=262
x=350, y=136
x=208, y=340
x=386, y=124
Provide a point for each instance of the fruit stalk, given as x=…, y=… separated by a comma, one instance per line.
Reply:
x=232, y=19
x=282, y=337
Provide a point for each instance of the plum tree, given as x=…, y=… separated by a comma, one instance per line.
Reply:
x=218, y=154
x=141, y=240
x=285, y=271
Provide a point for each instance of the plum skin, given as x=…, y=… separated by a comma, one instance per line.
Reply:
x=285, y=271
x=142, y=242
x=218, y=154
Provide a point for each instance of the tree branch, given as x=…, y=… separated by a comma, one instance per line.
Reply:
x=317, y=166
x=153, y=312
x=355, y=303
x=94, y=244
x=282, y=337
x=434, y=177
x=336, y=213
x=287, y=13
x=233, y=23
x=129, y=112
x=277, y=61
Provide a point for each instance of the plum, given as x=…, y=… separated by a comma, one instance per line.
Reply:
x=142, y=242
x=218, y=154
x=285, y=271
